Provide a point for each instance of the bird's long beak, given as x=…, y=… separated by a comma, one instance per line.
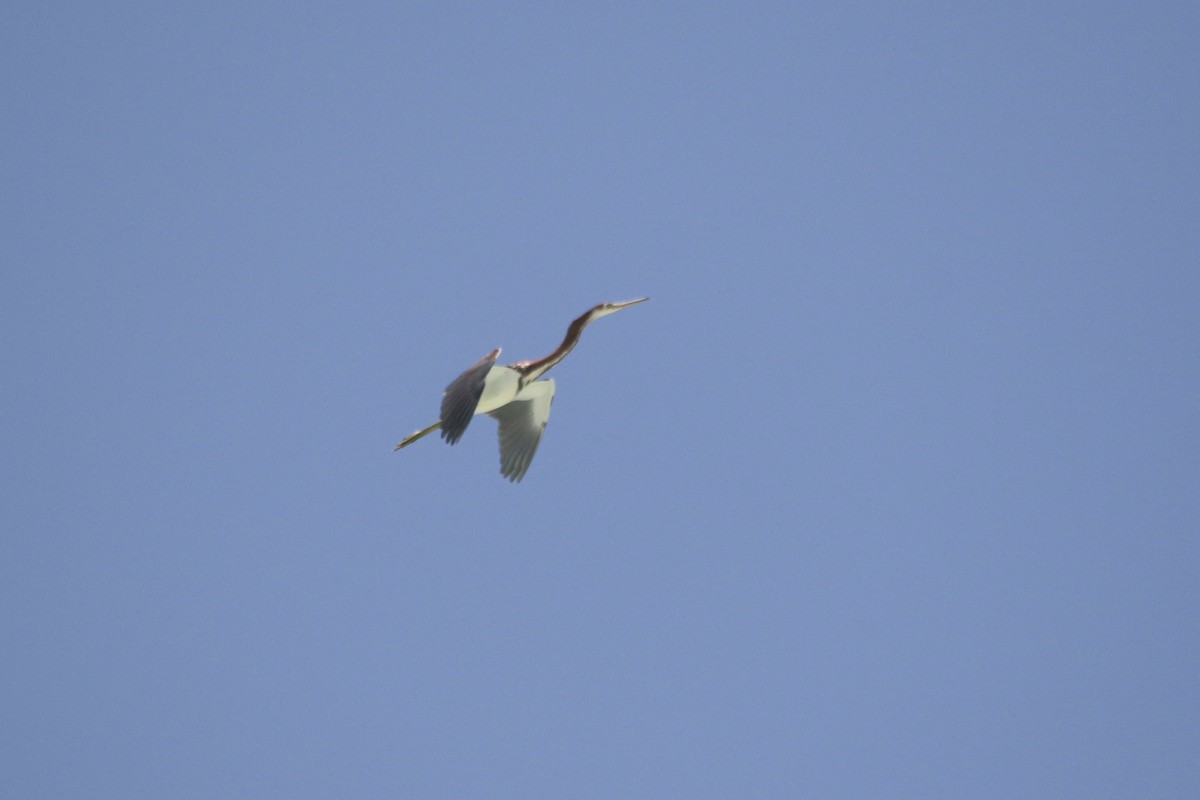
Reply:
x=625, y=303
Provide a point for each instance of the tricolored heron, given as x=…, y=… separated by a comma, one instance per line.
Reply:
x=510, y=394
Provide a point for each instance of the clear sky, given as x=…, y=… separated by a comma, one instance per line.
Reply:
x=892, y=490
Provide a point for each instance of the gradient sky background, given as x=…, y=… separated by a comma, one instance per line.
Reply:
x=892, y=490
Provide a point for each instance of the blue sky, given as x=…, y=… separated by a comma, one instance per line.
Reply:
x=891, y=490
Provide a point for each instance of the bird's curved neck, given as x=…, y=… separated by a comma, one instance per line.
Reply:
x=532, y=370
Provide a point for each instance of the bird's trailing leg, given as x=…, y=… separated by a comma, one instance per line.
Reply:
x=412, y=437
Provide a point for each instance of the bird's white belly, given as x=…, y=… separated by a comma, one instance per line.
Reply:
x=499, y=389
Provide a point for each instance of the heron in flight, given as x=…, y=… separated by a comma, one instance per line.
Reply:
x=512, y=395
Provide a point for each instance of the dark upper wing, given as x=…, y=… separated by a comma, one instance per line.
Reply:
x=521, y=426
x=462, y=396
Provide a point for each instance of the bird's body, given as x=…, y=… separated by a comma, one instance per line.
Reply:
x=501, y=386
x=512, y=394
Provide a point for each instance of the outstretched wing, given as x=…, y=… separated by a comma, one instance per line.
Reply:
x=462, y=396
x=521, y=424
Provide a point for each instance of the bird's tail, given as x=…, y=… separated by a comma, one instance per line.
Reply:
x=412, y=437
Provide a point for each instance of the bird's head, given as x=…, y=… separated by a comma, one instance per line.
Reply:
x=604, y=309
